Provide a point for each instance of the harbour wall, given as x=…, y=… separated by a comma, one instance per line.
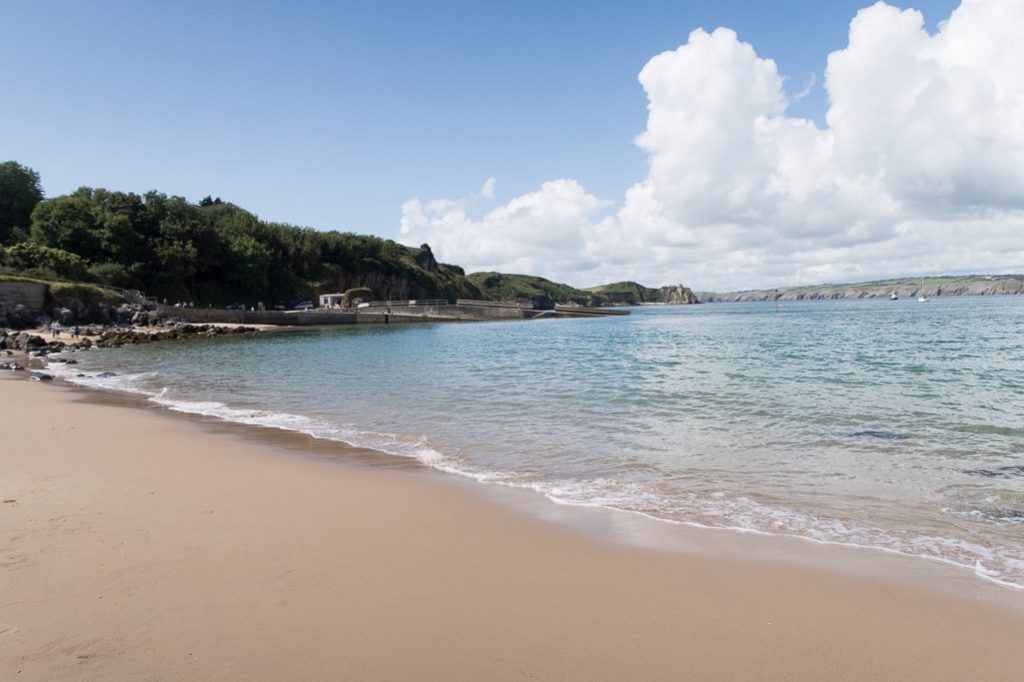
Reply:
x=32, y=295
x=378, y=314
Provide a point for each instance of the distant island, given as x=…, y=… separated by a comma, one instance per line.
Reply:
x=903, y=287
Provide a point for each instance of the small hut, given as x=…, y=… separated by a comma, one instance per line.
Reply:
x=332, y=300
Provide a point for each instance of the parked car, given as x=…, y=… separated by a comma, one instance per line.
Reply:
x=304, y=305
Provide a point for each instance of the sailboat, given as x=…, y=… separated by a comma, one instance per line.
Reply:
x=922, y=298
x=893, y=296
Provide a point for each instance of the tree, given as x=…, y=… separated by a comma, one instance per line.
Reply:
x=19, y=193
x=68, y=223
x=29, y=257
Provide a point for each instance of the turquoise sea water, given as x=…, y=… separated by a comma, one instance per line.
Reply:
x=893, y=425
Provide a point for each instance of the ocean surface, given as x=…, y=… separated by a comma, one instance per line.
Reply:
x=894, y=425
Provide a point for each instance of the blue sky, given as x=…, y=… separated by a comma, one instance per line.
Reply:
x=332, y=115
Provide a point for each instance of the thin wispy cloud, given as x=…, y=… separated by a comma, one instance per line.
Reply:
x=487, y=190
x=808, y=88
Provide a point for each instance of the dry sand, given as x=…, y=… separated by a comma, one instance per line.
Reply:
x=136, y=545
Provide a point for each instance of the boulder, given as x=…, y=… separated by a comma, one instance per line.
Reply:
x=17, y=316
x=41, y=376
x=125, y=312
x=30, y=342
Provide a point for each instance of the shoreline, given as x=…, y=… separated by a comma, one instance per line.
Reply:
x=620, y=525
x=393, y=571
x=609, y=525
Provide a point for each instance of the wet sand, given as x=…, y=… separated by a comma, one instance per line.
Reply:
x=135, y=545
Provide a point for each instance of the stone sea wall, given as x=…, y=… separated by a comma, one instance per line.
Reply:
x=32, y=295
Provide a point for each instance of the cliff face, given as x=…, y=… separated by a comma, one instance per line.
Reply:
x=405, y=285
x=904, y=288
x=415, y=274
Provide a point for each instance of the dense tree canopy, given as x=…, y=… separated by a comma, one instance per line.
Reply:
x=210, y=252
x=19, y=193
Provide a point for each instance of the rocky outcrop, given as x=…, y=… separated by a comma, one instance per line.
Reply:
x=17, y=316
x=112, y=338
x=425, y=259
x=21, y=341
x=677, y=294
x=81, y=304
x=26, y=342
x=25, y=304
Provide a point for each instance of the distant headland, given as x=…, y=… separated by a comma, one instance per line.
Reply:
x=902, y=287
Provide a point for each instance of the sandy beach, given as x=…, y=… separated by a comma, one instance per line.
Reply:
x=139, y=545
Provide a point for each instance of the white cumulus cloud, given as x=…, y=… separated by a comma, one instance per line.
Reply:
x=542, y=230
x=919, y=169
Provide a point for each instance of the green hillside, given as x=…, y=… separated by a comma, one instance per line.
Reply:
x=214, y=252
x=542, y=292
x=210, y=252
x=625, y=293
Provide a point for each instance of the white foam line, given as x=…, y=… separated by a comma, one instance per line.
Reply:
x=978, y=569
